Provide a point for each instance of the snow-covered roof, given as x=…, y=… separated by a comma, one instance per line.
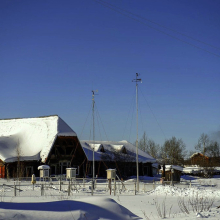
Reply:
x=192, y=169
x=175, y=167
x=30, y=138
x=110, y=146
x=43, y=167
x=97, y=147
x=196, y=154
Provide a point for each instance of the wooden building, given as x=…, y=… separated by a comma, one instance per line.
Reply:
x=200, y=160
x=119, y=155
x=26, y=143
x=172, y=172
x=2, y=169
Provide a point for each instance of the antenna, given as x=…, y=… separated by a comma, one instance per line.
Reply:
x=93, y=153
x=137, y=80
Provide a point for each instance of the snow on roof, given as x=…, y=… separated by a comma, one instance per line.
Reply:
x=97, y=147
x=175, y=167
x=118, y=147
x=30, y=138
x=43, y=167
x=192, y=169
x=197, y=153
x=110, y=146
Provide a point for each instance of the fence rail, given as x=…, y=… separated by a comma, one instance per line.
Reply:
x=64, y=187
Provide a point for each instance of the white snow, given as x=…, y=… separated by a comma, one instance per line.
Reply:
x=144, y=205
x=113, y=146
x=43, y=167
x=30, y=138
x=175, y=167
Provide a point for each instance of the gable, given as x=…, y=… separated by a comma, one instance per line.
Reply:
x=123, y=147
x=30, y=138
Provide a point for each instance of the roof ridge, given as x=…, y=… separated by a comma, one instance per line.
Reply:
x=29, y=117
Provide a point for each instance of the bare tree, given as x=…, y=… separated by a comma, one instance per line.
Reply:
x=20, y=164
x=213, y=149
x=173, y=151
x=143, y=143
x=213, y=152
x=153, y=149
x=203, y=143
x=149, y=146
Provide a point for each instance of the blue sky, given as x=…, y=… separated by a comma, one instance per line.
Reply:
x=54, y=53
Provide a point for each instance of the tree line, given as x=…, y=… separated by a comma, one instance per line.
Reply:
x=173, y=151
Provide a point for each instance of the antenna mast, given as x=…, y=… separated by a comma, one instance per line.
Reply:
x=137, y=164
x=93, y=153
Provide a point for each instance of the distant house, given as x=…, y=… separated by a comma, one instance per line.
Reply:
x=202, y=165
x=199, y=159
x=26, y=143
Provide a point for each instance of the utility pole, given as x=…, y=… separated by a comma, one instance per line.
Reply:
x=93, y=153
x=137, y=164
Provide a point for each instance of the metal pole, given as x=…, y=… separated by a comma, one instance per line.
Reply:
x=93, y=153
x=137, y=137
x=137, y=164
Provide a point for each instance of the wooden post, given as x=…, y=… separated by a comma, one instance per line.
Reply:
x=42, y=189
x=134, y=188
x=14, y=189
x=60, y=183
x=69, y=189
x=114, y=187
x=92, y=188
x=110, y=185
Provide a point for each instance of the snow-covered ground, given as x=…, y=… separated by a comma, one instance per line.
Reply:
x=201, y=199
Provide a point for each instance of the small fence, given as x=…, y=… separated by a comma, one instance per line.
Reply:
x=63, y=187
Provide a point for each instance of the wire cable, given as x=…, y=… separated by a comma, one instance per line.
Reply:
x=97, y=119
x=132, y=116
x=101, y=121
x=163, y=32
x=153, y=115
x=163, y=26
x=85, y=122
x=128, y=115
x=140, y=110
